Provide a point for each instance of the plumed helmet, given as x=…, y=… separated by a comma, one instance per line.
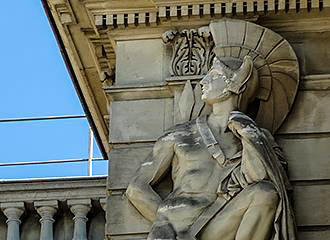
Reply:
x=246, y=50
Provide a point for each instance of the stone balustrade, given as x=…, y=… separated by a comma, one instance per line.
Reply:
x=53, y=209
x=80, y=208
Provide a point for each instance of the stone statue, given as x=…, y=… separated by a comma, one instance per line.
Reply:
x=227, y=173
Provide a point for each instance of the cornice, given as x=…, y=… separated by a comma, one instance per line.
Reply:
x=67, y=23
x=319, y=82
x=163, y=11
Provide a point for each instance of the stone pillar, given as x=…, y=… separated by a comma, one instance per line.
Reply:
x=13, y=211
x=46, y=210
x=80, y=208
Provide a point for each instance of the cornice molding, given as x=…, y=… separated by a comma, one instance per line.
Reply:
x=315, y=82
x=319, y=82
x=66, y=29
x=176, y=10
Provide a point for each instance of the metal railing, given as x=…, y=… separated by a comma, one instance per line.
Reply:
x=90, y=158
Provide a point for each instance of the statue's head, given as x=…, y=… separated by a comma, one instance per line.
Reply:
x=256, y=67
x=230, y=78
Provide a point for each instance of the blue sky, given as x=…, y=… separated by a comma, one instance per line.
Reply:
x=35, y=83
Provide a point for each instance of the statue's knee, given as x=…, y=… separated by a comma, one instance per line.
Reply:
x=264, y=193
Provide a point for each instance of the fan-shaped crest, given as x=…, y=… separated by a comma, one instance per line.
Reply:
x=273, y=58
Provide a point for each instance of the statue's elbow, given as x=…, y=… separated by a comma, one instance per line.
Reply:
x=133, y=191
x=130, y=191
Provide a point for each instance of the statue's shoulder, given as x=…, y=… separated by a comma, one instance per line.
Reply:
x=178, y=130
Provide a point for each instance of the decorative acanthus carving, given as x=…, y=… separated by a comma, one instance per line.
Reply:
x=192, y=51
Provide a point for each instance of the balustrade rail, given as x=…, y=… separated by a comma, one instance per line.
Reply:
x=90, y=158
x=53, y=209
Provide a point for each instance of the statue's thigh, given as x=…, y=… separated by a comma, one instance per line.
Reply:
x=225, y=224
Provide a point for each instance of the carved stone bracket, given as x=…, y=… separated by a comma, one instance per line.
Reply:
x=192, y=51
x=65, y=13
x=104, y=58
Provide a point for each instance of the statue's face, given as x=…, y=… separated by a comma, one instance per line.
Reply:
x=214, y=86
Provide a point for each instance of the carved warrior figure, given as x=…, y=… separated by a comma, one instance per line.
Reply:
x=228, y=179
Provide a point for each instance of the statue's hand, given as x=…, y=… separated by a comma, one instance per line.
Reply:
x=241, y=124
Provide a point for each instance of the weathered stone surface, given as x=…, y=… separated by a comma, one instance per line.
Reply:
x=140, y=61
x=313, y=235
x=124, y=163
x=310, y=113
x=124, y=218
x=312, y=49
x=308, y=158
x=59, y=189
x=143, y=120
x=312, y=205
x=310, y=201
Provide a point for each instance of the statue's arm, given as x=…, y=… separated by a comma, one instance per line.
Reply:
x=139, y=191
x=252, y=138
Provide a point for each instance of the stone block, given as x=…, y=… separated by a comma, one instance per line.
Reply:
x=311, y=204
x=308, y=158
x=310, y=113
x=73, y=202
x=140, y=61
x=123, y=165
x=314, y=235
x=12, y=205
x=312, y=49
x=141, y=120
x=47, y=203
x=124, y=218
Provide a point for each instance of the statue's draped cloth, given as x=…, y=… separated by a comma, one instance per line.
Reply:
x=262, y=160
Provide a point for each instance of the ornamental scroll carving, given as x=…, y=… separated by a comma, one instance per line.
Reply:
x=192, y=51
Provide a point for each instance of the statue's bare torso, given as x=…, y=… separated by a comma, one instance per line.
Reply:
x=198, y=180
x=194, y=170
x=195, y=173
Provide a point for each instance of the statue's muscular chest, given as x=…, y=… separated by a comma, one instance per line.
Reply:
x=190, y=147
x=193, y=162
